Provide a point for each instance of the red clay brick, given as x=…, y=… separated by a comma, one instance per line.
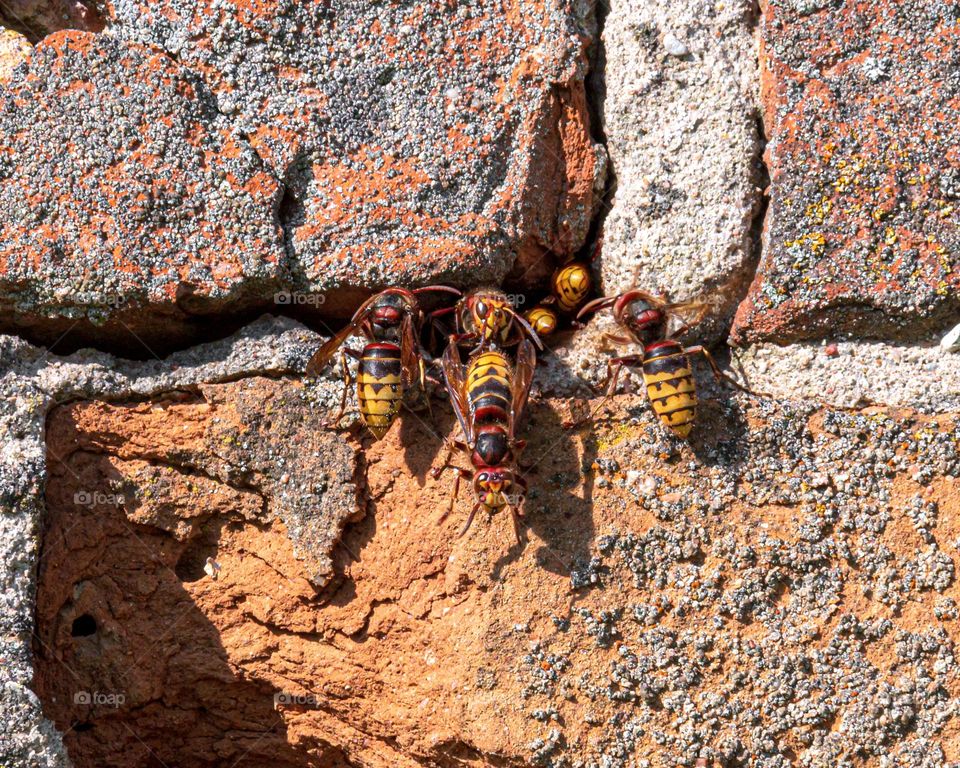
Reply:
x=418, y=141
x=121, y=188
x=861, y=238
x=314, y=147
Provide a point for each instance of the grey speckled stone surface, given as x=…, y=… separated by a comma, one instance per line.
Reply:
x=122, y=187
x=14, y=48
x=849, y=374
x=861, y=240
x=766, y=461
x=682, y=137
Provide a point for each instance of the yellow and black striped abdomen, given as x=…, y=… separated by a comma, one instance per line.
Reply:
x=488, y=387
x=379, y=386
x=542, y=319
x=670, y=386
x=571, y=284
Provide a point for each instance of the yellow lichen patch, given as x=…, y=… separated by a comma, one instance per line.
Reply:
x=848, y=173
x=819, y=210
x=616, y=435
x=815, y=241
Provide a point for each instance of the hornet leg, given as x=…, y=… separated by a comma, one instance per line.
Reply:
x=615, y=339
x=466, y=526
x=347, y=379
x=435, y=323
x=614, y=367
x=718, y=374
x=452, y=445
x=515, y=516
x=453, y=497
x=518, y=448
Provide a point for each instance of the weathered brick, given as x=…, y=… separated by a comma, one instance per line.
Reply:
x=861, y=103
x=312, y=147
x=121, y=187
x=419, y=141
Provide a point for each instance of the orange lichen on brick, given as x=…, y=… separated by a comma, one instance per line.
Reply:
x=419, y=644
x=859, y=113
x=130, y=205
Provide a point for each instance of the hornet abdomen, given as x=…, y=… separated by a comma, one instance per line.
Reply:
x=571, y=285
x=542, y=319
x=668, y=376
x=379, y=386
x=488, y=387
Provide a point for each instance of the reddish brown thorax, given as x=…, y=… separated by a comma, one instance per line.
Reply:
x=492, y=447
x=386, y=316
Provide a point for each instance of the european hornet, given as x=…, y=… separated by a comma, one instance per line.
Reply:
x=569, y=288
x=485, y=317
x=392, y=358
x=489, y=397
x=543, y=319
x=571, y=284
x=666, y=364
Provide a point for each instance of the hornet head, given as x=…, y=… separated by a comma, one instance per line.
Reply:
x=498, y=487
x=488, y=314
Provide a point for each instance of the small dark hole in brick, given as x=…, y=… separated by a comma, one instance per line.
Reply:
x=189, y=567
x=81, y=727
x=83, y=626
x=290, y=210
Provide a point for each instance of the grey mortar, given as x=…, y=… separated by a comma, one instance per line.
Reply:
x=684, y=148
x=854, y=373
